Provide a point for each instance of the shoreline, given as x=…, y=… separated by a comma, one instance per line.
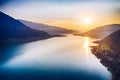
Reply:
x=110, y=59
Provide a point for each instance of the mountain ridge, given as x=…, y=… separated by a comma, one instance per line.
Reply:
x=113, y=40
x=102, y=31
x=12, y=30
x=52, y=30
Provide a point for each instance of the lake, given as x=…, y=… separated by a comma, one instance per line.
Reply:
x=59, y=58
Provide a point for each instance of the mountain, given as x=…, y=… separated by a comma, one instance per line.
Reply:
x=113, y=40
x=12, y=30
x=108, y=51
x=103, y=31
x=52, y=30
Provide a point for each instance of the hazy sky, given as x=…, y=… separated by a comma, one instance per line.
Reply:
x=64, y=13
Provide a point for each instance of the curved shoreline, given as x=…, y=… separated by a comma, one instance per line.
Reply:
x=110, y=59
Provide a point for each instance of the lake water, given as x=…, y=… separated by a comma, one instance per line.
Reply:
x=59, y=58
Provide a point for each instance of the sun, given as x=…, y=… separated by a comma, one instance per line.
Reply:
x=87, y=21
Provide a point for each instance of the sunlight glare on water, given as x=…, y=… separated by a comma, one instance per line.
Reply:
x=87, y=47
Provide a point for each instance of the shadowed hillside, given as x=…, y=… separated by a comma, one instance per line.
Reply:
x=11, y=30
x=113, y=40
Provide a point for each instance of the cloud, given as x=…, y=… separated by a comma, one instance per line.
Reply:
x=60, y=11
x=47, y=10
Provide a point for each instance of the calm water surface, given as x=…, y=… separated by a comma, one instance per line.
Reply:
x=60, y=58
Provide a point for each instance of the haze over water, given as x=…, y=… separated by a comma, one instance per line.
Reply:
x=56, y=58
x=60, y=53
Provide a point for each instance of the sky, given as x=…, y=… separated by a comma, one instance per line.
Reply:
x=80, y=15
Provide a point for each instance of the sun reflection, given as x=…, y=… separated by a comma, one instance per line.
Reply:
x=86, y=46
